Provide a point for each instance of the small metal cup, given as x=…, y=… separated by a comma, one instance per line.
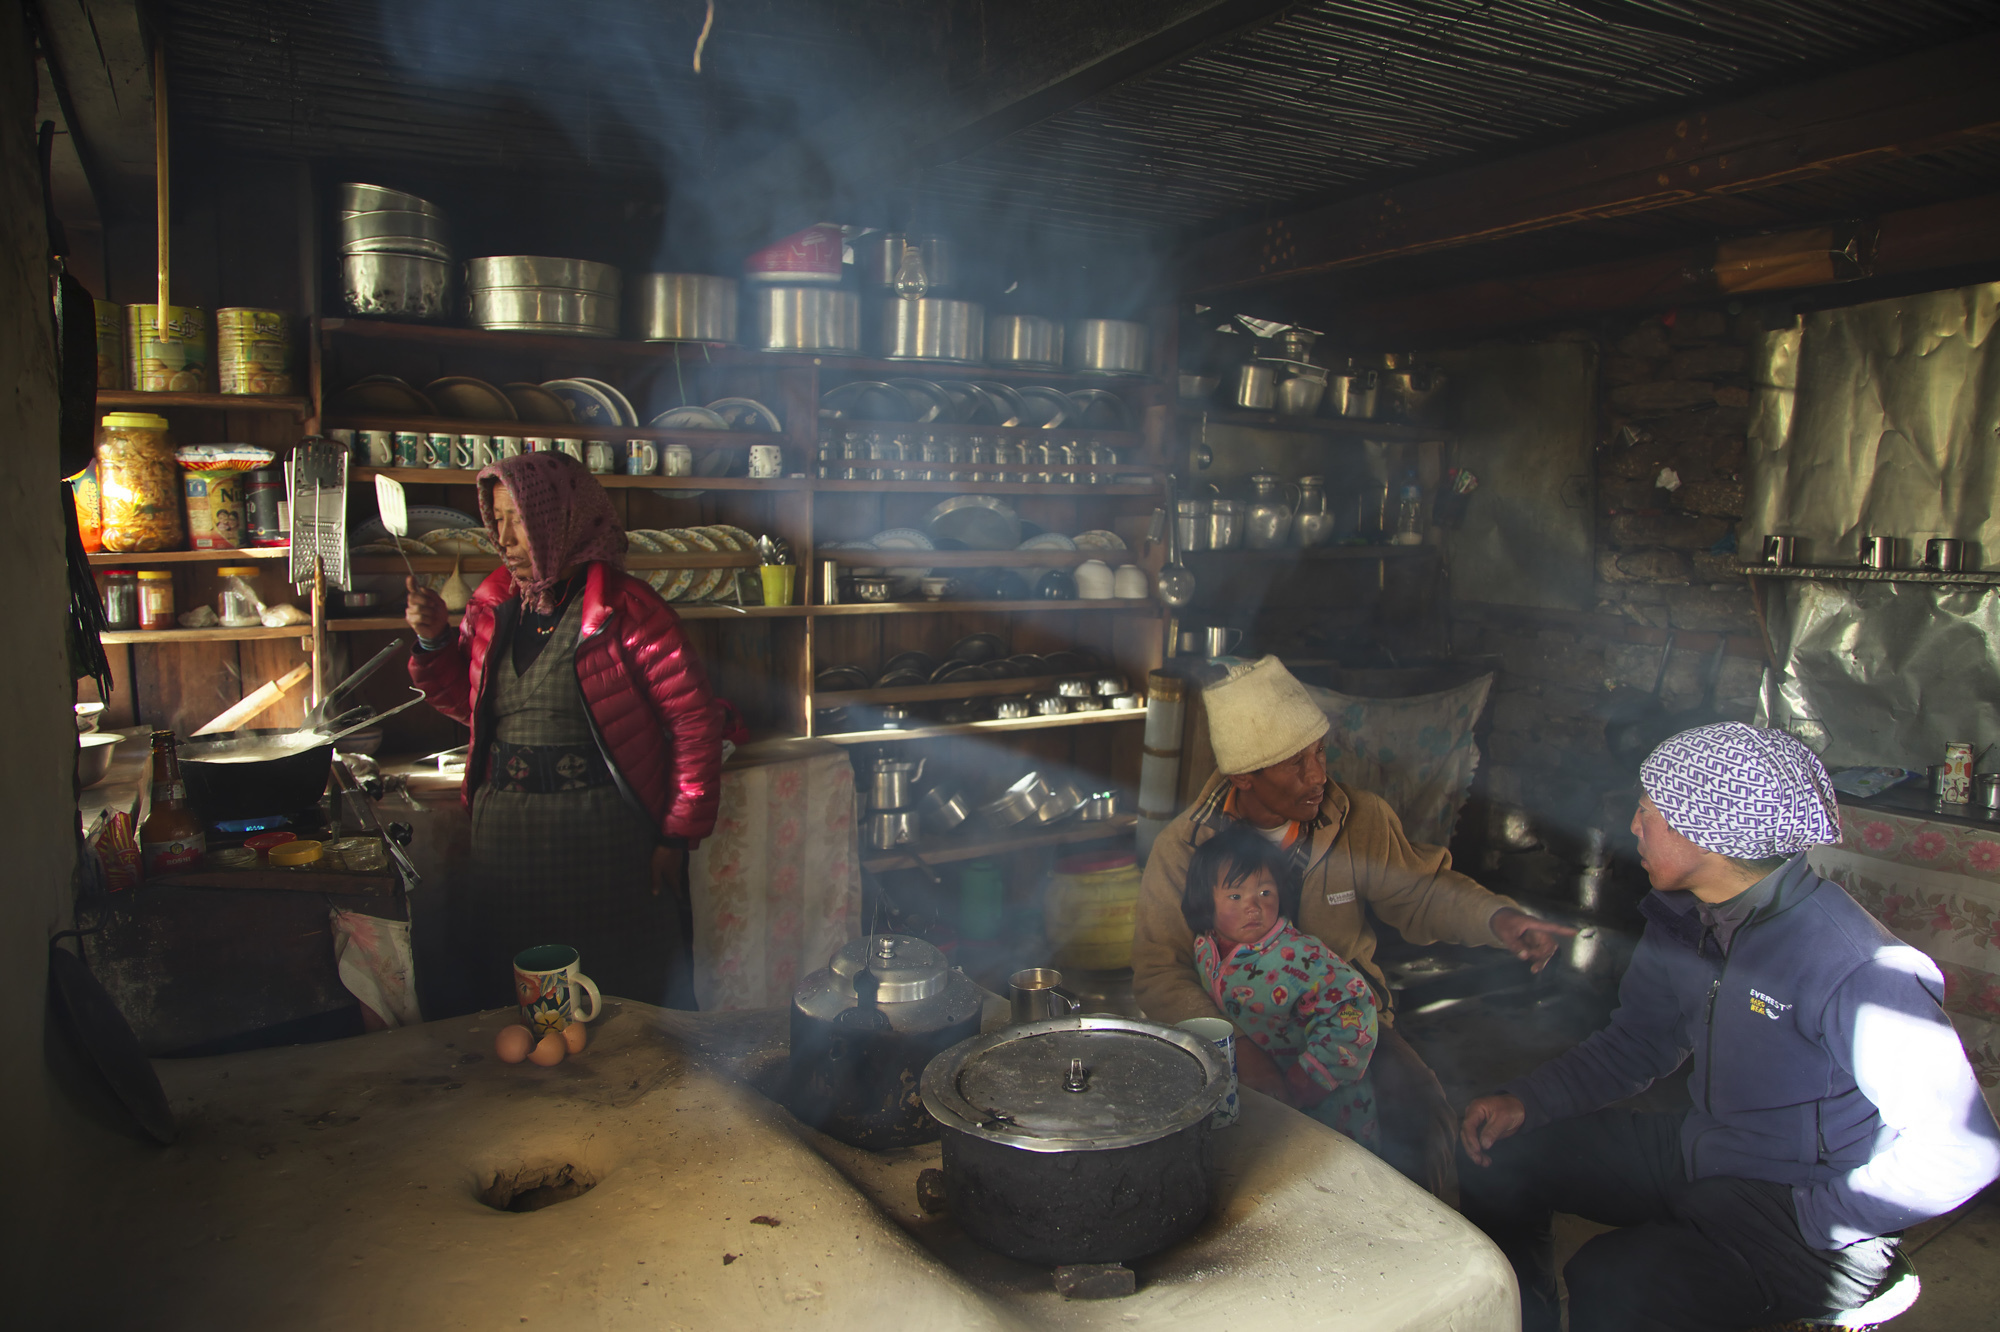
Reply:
x=1035, y=994
x=1878, y=552
x=1781, y=552
x=1944, y=554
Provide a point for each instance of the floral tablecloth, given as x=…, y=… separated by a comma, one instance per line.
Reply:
x=777, y=887
x=1937, y=887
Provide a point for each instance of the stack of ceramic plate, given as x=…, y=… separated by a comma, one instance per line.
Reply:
x=686, y=585
x=395, y=254
x=525, y=293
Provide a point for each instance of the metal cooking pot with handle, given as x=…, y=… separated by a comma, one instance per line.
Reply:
x=1078, y=1139
x=862, y=1030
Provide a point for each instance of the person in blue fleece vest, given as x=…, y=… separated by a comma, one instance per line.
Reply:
x=1833, y=1103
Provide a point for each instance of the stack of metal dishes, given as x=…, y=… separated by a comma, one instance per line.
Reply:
x=395, y=254
x=523, y=293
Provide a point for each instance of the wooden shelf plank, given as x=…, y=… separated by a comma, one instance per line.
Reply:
x=157, y=636
x=1124, y=439
x=1292, y=554
x=1142, y=605
x=482, y=564
x=453, y=425
x=930, y=693
x=943, y=851
x=974, y=559
x=1346, y=426
x=110, y=560
x=877, y=368
x=215, y=402
x=994, y=726
x=439, y=476
x=1080, y=489
x=1976, y=577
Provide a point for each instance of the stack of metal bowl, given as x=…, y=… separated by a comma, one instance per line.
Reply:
x=525, y=293
x=395, y=254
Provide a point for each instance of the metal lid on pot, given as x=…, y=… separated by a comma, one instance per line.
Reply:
x=905, y=968
x=1089, y=1083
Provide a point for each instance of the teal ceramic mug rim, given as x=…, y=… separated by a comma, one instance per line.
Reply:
x=546, y=958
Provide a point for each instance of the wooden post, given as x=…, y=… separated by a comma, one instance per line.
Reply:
x=160, y=196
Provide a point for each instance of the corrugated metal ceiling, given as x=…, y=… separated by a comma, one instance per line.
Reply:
x=1345, y=94
x=1335, y=97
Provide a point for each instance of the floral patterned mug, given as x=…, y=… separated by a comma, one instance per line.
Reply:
x=547, y=978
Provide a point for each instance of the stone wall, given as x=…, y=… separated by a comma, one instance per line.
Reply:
x=1673, y=404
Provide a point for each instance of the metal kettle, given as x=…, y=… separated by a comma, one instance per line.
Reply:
x=1267, y=520
x=892, y=784
x=1313, y=523
x=862, y=1030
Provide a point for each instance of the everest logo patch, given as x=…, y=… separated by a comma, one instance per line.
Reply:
x=1763, y=1005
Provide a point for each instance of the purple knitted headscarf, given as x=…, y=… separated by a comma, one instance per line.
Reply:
x=1742, y=791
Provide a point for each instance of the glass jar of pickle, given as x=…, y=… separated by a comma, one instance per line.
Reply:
x=139, y=484
x=156, y=599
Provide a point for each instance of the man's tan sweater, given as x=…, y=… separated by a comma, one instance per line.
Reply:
x=1359, y=856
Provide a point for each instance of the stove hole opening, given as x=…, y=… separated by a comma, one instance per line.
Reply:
x=530, y=1188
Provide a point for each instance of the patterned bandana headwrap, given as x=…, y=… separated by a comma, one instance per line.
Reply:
x=569, y=519
x=1742, y=791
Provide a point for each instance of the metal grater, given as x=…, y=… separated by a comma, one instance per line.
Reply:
x=317, y=478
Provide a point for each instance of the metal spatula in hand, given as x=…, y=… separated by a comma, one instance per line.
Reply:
x=395, y=513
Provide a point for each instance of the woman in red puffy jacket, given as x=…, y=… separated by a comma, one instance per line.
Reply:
x=596, y=753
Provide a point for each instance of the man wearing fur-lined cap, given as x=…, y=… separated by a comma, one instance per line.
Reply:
x=1351, y=856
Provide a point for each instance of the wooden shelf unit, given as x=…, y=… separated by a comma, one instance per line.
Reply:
x=114, y=560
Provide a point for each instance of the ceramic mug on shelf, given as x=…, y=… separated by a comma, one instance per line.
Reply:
x=547, y=980
x=600, y=456
x=642, y=457
x=766, y=461
x=437, y=449
x=1128, y=581
x=1222, y=1035
x=676, y=459
x=409, y=449
x=507, y=446
x=378, y=448
x=537, y=444
x=461, y=450
x=573, y=447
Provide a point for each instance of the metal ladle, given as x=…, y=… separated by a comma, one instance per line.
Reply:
x=1176, y=585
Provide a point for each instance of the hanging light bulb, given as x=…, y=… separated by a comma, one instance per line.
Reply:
x=911, y=283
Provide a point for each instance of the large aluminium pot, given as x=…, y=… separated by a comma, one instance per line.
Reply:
x=1108, y=347
x=808, y=319
x=1026, y=342
x=1078, y=1139
x=256, y=772
x=683, y=307
x=862, y=1031
x=932, y=329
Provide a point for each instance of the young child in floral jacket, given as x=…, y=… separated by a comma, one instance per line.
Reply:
x=1291, y=994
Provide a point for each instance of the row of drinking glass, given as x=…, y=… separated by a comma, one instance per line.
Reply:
x=881, y=455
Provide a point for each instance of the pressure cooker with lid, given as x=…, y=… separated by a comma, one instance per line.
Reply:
x=862, y=1030
x=1079, y=1139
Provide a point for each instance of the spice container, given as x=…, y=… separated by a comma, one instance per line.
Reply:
x=301, y=854
x=121, y=599
x=156, y=599
x=139, y=482
x=237, y=605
